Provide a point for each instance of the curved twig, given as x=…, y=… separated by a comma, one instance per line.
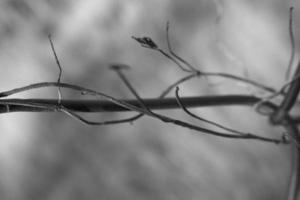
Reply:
x=184, y=108
x=192, y=68
x=292, y=40
x=59, y=67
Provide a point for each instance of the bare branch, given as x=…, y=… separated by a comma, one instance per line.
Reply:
x=131, y=107
x=16, y=105
x=293, y=132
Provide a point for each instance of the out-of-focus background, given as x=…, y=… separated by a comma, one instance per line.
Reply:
x=51, y=156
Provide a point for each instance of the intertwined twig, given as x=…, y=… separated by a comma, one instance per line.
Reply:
x=278, y=114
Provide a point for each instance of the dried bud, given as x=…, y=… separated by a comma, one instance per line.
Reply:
x=146, y=42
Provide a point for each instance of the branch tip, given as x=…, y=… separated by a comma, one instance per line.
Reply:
x=292, y=41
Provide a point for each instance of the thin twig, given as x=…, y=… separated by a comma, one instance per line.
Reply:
x=241, y=79
x=65, y=110
x=290, y=64
x=276, y=94
x=59, y=67
x=118, y=69
x=167, y=119
x=97, y=123
x=289, y=100
x=174, y=60
x=224, y=75
x=292, y=40
x=147, y=42
x=184, y=108
x=192, y=68
x=173, y=85
x=143, y=42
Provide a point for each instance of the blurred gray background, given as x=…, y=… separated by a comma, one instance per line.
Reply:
x=51, y=156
